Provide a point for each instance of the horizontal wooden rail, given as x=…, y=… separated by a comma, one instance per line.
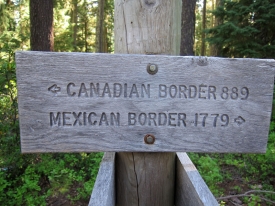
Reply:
x=190, y=187
x=104, y=188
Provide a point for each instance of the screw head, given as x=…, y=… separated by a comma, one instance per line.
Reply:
x=149, y=139
x=152, y=68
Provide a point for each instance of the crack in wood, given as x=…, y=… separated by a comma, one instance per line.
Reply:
x=136, y=177
x=126, y=37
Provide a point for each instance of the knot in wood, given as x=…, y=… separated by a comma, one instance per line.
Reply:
x=202, y=61
x=150, y=2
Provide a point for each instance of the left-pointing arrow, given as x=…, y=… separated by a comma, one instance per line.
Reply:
x=54, y=89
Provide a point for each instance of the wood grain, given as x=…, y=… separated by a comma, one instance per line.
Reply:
x=190, y=187
x=104, y=188
x=146, y=27
x=40, y=75
x=145, y=178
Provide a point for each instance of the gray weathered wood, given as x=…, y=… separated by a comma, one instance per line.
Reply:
x=145, y=178
x=43, y=79
x=104, y=188
x=190, y=188
x=146, y=27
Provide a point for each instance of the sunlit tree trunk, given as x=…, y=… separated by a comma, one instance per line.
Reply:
x=203, y=29
x=74, y=23
x=85, y=17
x=100, y=34
x=3, y=16
x=187, y=27
x=86, y=35
x=213, y=47
x=41, y=18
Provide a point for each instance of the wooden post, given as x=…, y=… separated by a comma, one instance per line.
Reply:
x=146, y=27
x=190, y=188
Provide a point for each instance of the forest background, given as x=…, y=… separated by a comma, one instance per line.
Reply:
x=222, y=28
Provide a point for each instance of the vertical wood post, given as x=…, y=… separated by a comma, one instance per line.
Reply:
x=146, y=27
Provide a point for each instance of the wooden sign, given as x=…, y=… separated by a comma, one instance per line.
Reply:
x=79, y=102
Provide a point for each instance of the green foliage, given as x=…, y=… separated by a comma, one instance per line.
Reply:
x=27, y=192
x=50, y=175
x=9, y=129
x=109, y=22
x=209, y=169
x=247, y=29
x=31, y=179
x=84, y=38
x=253, y=200
x=251, y=168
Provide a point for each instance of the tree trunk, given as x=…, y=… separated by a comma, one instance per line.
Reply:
x=4, y=19
x=203, y=28
x=74, y=23
x=213, y=47
x=187, y=27
x=41, y=18
x=218, y=21
x=86, y=35
x=100, y=35
x=146, y=27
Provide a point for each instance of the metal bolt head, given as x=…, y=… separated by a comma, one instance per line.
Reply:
x=149, y=139
x=152, y=68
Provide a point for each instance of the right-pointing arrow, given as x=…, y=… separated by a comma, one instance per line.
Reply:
x=239, y=120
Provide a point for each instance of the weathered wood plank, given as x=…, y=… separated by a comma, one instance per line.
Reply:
x=190, y=104
x=104, y=189
x=145, y=178
x=190, y=187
